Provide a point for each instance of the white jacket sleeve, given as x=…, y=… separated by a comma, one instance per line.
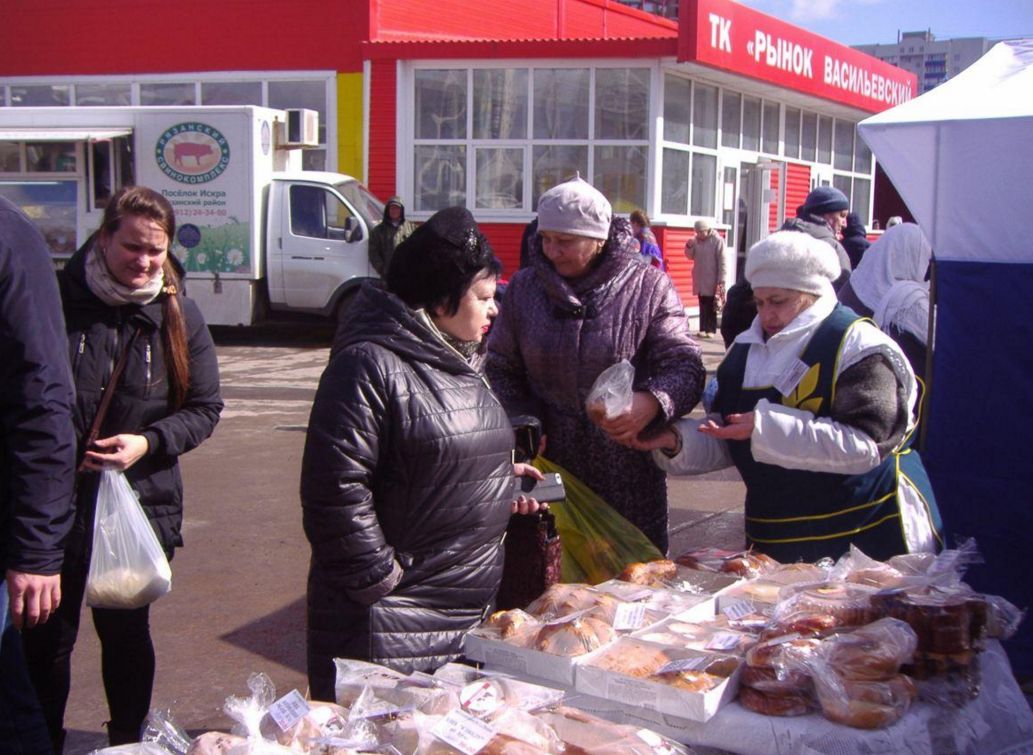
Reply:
x=699, y=453
x=795, y=439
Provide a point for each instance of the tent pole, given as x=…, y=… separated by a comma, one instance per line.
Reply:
x=930, y=345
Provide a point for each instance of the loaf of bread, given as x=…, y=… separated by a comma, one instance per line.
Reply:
x=649, y=573
x=867, y=704
x=576, y=637
x=766, y=704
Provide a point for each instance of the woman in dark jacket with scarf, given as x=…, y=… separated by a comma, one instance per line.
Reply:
x=122, y=290
x=585, y=303
x=407, y=476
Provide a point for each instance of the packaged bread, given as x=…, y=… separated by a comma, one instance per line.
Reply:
x=514, y=626
x=848, y=604
x=683, y=669
x=776, y=704
x=706, y=636
x=574, y=636
x=740, y=563
x=870, y=653
x=563, y=599
x=654, y=573
x=866, y=704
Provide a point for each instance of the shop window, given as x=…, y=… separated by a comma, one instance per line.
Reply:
x=824, y=139
x=101, y=94
x=52, y=207
x=302, y=93
x=441, y=104
x=554, y=164
x=843, y=156
x=703, y=183
x=731, y=117
x=440, y=173
x=233, y=93
x=500, y=178
x=561, y=103
x=843, y=184
x=862, y=156
x=769, y=141
x=622, y=103
x=751, y=124
x=500, y=103
x=792, y=134
x=50, y=157
x=859, y=202
x=10, y=157
x=704, y=116
x=674, y=197
x=41, y=95
x=152, y=93
x=677, y=103
x=808, y=136
x=620, y=174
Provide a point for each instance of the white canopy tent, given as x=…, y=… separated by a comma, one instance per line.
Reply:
x=961, y=157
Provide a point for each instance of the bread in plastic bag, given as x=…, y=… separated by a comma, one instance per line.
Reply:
x=597, y=541
x=611, y=393
x=128, y=568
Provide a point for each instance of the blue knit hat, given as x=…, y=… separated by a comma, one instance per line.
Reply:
x=823, y=200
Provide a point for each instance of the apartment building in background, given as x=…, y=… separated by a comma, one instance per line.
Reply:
x=932, y=60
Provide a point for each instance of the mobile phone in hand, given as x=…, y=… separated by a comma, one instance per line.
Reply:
x=543, y=491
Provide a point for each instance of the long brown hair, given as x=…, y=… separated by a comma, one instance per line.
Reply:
x=139, y=200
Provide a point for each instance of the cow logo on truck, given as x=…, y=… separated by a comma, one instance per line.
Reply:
x=192, y=153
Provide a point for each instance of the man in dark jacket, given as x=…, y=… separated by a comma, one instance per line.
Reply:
x=37, y=464
x=855, y=239
x=823, y=215
x=388, y=234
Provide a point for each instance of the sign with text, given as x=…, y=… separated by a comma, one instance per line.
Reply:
x=725, y=35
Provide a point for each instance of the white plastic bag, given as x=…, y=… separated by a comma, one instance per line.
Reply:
x=128, y=568
x=611, y=394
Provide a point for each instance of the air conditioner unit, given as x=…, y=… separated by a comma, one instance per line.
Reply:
x=302, y=127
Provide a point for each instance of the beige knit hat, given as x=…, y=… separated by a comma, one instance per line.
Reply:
x=575, y=207
x=793, y=260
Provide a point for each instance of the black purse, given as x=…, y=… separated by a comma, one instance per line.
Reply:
x=532, y=561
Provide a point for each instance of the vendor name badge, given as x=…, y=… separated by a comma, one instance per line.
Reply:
x=790, y=378
x=463, y=732
x=288, y=710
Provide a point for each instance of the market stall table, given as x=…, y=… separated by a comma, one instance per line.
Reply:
x=999, y=720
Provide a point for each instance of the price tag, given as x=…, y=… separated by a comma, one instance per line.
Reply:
x=288, y=710
x=685, y=664
x=738, y=609
x=629, y=616
x=723, y=641
x=463, y=732
x=481, y=697
x=790, y=378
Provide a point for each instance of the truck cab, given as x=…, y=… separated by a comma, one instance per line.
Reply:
x=317, y=239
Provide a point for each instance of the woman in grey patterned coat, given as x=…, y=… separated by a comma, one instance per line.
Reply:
x=585, y=303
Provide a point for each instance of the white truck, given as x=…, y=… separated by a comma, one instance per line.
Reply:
x=254, y=232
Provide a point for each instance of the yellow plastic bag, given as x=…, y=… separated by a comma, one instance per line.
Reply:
x=597, y=541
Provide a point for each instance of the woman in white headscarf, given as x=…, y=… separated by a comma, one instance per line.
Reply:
x=890, y=286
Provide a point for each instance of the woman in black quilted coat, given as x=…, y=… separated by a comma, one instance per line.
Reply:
x=407, y=475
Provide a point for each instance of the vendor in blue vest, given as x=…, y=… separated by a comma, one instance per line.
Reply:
x=815, y=406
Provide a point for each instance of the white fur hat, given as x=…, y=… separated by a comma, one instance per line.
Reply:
x=575, y=207
x=793, y=260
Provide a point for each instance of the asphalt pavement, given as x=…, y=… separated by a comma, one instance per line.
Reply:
x=237, y=603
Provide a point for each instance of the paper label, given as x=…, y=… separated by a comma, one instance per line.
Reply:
x=738, y=609
x=507, y=659
x=684, y=664
x=463, y=732
x=288, y=710
x=481, y=697
x=629, y=616
x=786, y=382
x=723, y=641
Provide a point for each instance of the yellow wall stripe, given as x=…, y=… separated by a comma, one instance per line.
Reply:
x=349, y=124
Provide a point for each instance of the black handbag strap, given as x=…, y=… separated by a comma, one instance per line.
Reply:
x=108, y=394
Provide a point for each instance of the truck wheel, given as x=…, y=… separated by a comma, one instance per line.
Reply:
x=341, y=317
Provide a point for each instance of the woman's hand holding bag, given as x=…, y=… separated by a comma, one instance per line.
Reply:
x=128, y=568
